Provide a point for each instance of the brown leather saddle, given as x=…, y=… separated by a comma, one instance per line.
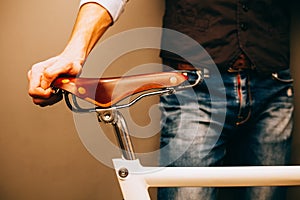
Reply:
x=105, y=92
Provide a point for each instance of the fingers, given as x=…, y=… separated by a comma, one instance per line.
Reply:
x=54, y=98
x=44, y=73
x=35, y=76
x=63, y=67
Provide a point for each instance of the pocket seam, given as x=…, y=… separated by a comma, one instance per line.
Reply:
x=275, y=77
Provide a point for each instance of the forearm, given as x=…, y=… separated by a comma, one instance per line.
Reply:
x=91, y=23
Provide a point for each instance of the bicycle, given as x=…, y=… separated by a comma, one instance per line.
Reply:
x=135, y=179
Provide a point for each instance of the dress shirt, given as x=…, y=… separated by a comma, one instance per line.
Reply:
x=114, y=7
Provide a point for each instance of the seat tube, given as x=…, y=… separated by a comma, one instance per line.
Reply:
x=116, y=119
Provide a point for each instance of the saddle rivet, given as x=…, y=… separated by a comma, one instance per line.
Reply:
x=64, y=81
x=173, y=80
x=81, y=90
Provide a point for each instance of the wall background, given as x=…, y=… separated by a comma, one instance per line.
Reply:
x=41, y=155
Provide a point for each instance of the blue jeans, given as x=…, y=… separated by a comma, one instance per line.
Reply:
x=252, y=125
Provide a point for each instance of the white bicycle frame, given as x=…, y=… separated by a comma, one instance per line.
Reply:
x=135, y=179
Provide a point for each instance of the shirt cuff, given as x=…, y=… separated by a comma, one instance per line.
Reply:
x=114, y=7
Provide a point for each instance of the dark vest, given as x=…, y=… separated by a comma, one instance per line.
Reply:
x=225, y=28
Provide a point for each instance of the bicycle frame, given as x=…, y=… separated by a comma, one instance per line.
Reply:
x=135, y=179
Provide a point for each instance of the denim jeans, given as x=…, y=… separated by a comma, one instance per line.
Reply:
x=255, y=130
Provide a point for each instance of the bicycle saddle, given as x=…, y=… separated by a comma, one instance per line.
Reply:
x=105, y=92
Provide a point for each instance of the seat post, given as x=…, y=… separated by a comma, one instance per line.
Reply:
x=117, y=120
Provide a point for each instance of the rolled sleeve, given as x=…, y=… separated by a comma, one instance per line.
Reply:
x=114, y=7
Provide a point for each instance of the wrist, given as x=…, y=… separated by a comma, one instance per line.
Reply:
x=76, y=52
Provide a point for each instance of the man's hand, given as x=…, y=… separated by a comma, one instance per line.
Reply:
x=91, y=23
x=44, y=73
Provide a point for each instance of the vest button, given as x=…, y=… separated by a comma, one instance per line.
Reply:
x=244, y=26
x=245, y=7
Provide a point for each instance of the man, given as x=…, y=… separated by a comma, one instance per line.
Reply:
x=249, y=43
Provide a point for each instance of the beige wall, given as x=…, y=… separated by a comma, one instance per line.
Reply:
x=41, y=155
